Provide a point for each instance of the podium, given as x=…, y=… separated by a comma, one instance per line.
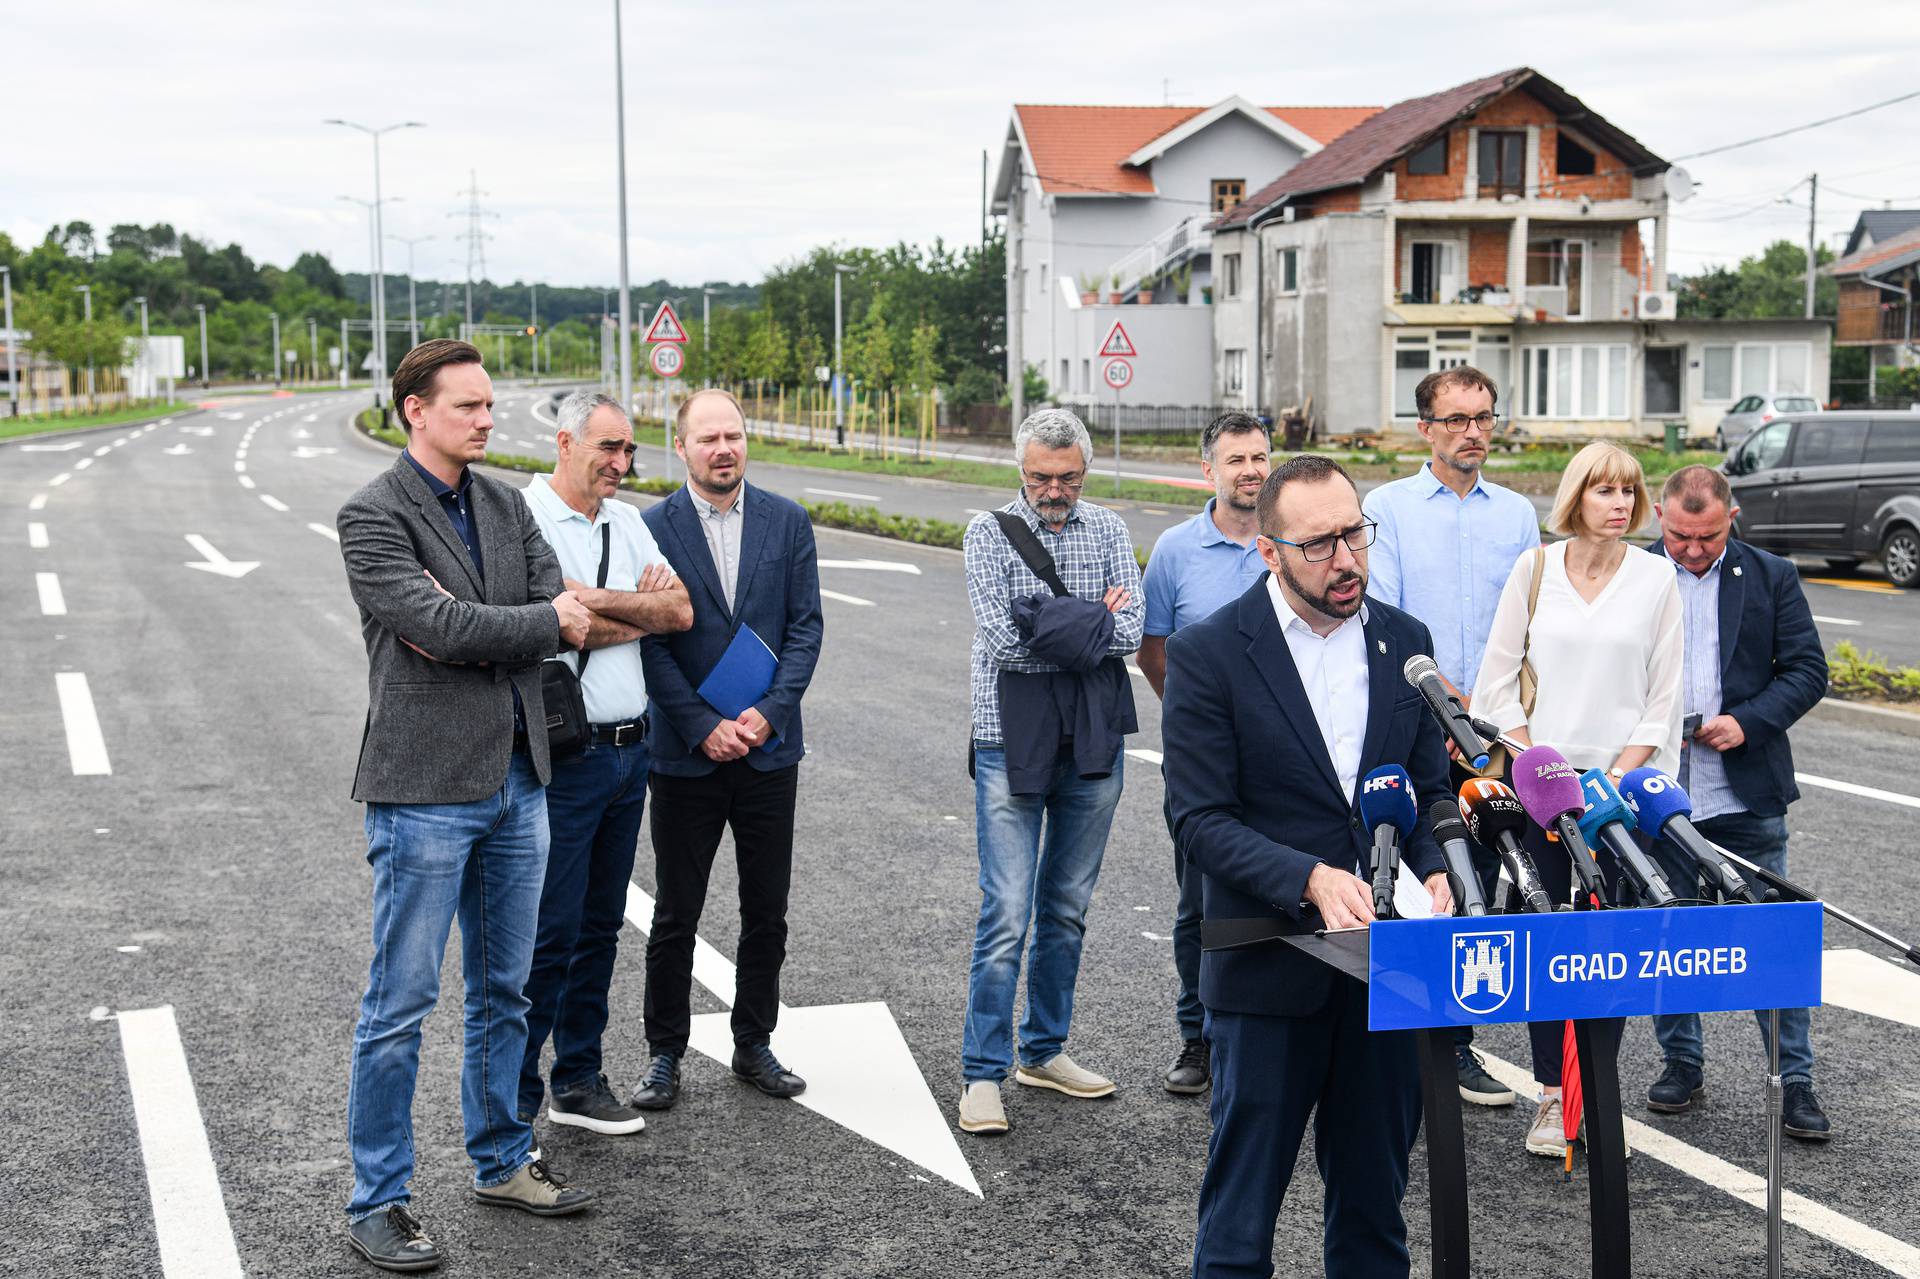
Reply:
x=1592, y=968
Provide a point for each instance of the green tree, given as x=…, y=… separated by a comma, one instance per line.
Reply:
x=1772, y=285
x=923, y=358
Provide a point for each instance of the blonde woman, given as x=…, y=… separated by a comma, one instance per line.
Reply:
x=1604, y=643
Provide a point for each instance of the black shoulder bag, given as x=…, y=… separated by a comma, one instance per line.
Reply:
x=1027, y=546
x=567, y=728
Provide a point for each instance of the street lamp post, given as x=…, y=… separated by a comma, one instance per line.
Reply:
x=706, y=335
x=146, y=352
x=205, y=372
x=275, y=317
x=13, y=367
x=379, y=280
x=839, y=401
x=620, y=143
x=313, y=349
x=533, y=324
x=413, y=308
x=345, y=363
x=86, y=300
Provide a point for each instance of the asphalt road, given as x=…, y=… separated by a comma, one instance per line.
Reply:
x=218, y=869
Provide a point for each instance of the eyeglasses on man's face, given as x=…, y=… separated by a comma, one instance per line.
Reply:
x=1461, y=421
x=1070, y=482
x=1316, y=550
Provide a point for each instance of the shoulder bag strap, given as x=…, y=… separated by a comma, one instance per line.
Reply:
x=1031, y=553
x=606, y=553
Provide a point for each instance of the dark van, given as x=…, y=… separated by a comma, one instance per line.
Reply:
x=1844, y=486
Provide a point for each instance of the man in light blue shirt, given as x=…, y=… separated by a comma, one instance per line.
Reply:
x=597, y=796
x=1446, y=542
x=1197, y=568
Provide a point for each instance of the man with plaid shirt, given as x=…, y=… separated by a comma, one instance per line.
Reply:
x=1093, y=558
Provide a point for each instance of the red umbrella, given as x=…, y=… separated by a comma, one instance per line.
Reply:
x=1570, y=1098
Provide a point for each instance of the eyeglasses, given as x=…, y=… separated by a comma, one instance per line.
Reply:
x=1317, y=549
x=1072, y=481
x=1460, y=422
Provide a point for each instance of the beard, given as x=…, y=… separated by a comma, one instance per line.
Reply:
x=1240, y=501
x=1320, y=601
x=1054, y=510
x=728, y=485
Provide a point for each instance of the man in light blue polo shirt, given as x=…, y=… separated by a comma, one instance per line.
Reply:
x=1196, y=568
x=1446, y=543
x=596, y=798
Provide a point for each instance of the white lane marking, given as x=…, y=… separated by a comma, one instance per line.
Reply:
x=246, y=481
x=83, y=464
x=274, y=502
x=1817, y=1219
x=311, y=417
x=189, y=1212
x=38, y=502
x=1135, y=670
x=196, y=430
x=875, y=566
x=103, y=450
x=305, y=452
x=239, y=467
x=1853, y=788
x=548, y=418
x=52, y=602
x=844, y=599
x=324, y=531
x=974, y=510
x=86, y=748
x=1146, y=757
x=212, y=561
x=59, y=479
x=51, y=448
x=854, y=497
x=178, y=450
x=1835, y=621
x=37, y=535
x=1869, y=984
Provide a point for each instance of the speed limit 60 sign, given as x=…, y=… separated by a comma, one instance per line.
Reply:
x=668, y=360
x=1118, y=373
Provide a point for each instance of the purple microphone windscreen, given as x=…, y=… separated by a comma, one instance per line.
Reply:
x=1547, y=785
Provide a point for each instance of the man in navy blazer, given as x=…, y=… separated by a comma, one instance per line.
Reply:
x=1275, y=707
x=1754, y=666
x=747, y=558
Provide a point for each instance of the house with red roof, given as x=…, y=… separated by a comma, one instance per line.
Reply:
x=1879, y=279
x=1107, y=212
x=1500, y=223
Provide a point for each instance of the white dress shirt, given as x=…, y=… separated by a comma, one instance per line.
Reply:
x=1334, y=672
x=722, y=529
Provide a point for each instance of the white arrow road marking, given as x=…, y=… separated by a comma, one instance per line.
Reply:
x=50, y=448
x=306, y=451
x=1868, y=984
x=52, y=602
x=860, y=1073
x=178, y=450
x=37, y=535
x=86, y=748
x=1853, y=788
x=212, y=561
x=876, y=566
x=324, y=531
x=274, y=503
x=856, y=497
x=1816, y=1219
x=844, y=599
x=189, y=1213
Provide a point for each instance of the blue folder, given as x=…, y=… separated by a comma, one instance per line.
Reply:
x=742, y=676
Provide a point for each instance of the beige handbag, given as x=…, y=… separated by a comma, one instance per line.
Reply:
x=1529, y=682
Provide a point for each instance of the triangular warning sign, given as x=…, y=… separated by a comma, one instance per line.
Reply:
x=1117, y=343
x=666, y=326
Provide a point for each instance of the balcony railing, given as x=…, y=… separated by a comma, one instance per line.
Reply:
x=1176, y=244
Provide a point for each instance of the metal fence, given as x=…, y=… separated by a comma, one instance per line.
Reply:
x=1134, y=419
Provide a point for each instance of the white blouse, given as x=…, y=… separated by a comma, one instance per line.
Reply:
x=1609, y=672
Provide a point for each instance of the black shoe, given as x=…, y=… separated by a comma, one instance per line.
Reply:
x=393, y=1240
x=1679, y=1086
x=1801, y=1116
x=1476, y=1085
x=661, y=1088
x=756, y=1064
x=594, y=1107
x=1192, y=1070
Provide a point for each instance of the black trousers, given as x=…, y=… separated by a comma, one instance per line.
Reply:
x=688, y=817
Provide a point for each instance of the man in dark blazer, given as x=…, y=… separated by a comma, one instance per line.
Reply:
x=460, y=600
x=747, y=558
x=1275, y=707
x=1754, y=666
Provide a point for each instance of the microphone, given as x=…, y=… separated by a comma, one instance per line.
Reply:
x=1609, y=821
x=1495, y=818
x=1550, y=791
x=1444, y=817
x=1386, y=805
x=1665, y=811
x=1421, y=672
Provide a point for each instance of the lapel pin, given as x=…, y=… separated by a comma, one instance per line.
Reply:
x=1736, y=570
x=1383, y=647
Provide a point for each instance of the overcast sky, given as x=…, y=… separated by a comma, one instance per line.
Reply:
x=757, y=130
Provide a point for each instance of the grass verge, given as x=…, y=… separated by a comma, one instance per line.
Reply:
x=1861, y=675
x=10, y=427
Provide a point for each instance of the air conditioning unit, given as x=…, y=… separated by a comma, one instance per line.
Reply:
x=1651, y=305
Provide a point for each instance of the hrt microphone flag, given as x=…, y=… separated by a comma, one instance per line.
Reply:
x=1386, y=799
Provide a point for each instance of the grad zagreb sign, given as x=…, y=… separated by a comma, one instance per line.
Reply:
x=1572, y=965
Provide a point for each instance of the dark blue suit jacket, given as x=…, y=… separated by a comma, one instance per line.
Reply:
x=1772, y=671
x=1255, y=801
x=778, y=595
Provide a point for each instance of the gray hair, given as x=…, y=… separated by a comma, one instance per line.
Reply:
x=1052, y=429
x=574, y=411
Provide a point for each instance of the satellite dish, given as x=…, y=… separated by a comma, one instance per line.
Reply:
x=1680, y=185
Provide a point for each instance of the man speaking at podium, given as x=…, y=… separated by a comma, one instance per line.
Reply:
x=1275, y=707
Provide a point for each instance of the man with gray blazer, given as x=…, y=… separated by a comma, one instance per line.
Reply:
x=460, y=600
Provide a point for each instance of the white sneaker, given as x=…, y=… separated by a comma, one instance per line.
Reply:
x=980, y=1108
x=1548, y=1135
x=1061, y=1075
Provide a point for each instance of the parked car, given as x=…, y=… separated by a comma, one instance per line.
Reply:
x=1843, y=486
x=1751, y=412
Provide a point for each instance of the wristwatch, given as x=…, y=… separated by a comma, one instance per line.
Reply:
x=1616, y=773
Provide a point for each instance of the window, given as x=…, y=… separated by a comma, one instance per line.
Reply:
x=1235, y=372
x=1892, y=441
x=1431, y=158
x=1559, y=264
x=1753, y=370
x=1829, y=443
x=1289, y=270
x=1086, y=375
x=1228, y=192
x=1588, y=380
x=1409, y=366
x=1433, y=271
x=1066, y=371
x=1663, y=373
x=1716, y=373
x=1796, y=404
x=1572, y=159
x=1503, y=162
x=1765, y=448
x=1417, y=354
x=1230, y=275
x=1493, y=356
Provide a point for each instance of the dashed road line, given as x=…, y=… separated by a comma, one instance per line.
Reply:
x=38, y=502
x=246, y=481
x=52, y=602
x=189, y=1211
x=324, y=531
x=1146, y=756
x=1854, y=788
x=37, y=535
x=83, y=464
x=59, y=479
x=826, y=594
x=86, y=748
x=103, y=450
x=1835, y=621
x=852, y=497
x=274, y=502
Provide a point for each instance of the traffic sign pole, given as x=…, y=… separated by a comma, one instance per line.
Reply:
x=1117, y=373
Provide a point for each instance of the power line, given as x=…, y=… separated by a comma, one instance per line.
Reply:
x=1800, y=128
x=474, y=235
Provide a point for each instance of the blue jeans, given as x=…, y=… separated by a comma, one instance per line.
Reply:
x=1188, y=914
x=483, y=861
x=594, y=805
x=1763, y=841
x=1021, y=882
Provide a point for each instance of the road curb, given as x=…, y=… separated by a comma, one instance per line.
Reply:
x=95, y=430
x=1864, y=715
